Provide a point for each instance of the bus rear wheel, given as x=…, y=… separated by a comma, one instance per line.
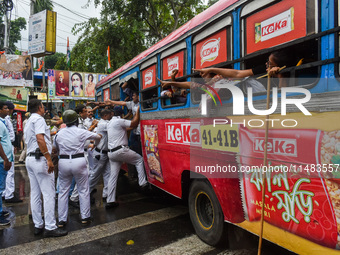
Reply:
x=206, y=214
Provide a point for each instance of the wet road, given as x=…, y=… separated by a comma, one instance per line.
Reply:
x=154, y=223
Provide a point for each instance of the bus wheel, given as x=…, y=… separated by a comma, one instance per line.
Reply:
x=206, y=214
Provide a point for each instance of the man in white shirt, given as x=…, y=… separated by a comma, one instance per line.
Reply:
x=8, y=194
x=101, y=160
x=40, y=171
x=119, y=152
x=70, y=143
x=6, y=157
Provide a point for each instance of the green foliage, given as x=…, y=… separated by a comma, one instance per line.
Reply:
x=51, y=60
x=41, y=5
x=61, y=63
x=128, y=27
x=14, y=35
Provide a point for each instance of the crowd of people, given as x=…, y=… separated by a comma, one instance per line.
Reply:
x=66, y=155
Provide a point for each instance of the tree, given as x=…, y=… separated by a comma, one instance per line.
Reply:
x=41, y=5
x=51, y=60
x=128, y=27
x=14, y=35
x=61, y=63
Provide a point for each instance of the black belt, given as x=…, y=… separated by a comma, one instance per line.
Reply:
x=117, y=148
x=85, y=149
x=79, y=155
x=32, y=154
x=101, y=151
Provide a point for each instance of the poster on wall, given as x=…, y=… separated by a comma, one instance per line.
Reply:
x=16, y=95
x=61, y=83
x=76, y=84
x=90, y=84
x=16, y=70
x=101, y=77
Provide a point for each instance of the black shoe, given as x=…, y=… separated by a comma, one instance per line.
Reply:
x=86, y=220
x=38, y=231
x=4, y=221
x=74, y=204
x=55, y=232
x=61, y=224
x=4, y=213
x=111, y=205
x=13, y=200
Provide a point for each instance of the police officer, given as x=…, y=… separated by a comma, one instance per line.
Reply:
x=101, y=160
x=119, y=152
x=70, y=143
x=40, y=171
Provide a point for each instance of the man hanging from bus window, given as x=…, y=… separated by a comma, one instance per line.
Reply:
x=119, y=152
x=177, y=96
x=272, y=66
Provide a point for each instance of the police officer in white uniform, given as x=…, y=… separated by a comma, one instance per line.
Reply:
x=10, y=184
x=70, y=144
x=119, y=152
x=101, y=160
x=40, y=171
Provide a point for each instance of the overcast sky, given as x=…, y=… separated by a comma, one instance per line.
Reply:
x=65, y=20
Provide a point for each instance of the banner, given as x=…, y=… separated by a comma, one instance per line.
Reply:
x=19, y=122
x=18, y=96
x=51, y=83
x=16, y=70
x=90, y=84
x=76, y=84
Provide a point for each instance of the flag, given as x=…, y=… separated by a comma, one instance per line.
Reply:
x=68, y=54
x=108, y=60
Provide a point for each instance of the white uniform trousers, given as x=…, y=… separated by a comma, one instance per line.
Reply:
x=75, y=196
x=116, y=159
x=101, y=167
x=41, y=182
x=10, y=184
x=69, y=168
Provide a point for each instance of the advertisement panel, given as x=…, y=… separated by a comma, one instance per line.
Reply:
x=90, y=84
x=149, y=77
x=51, y=83
x=16, y=70
x=37, y=33
x=173, y=62
x=212, y=50
x=106, y=94
x=277, y=24
x=62, y=83
x=16, y=95
x=76, y=84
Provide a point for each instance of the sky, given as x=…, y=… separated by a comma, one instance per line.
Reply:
x=65, y=20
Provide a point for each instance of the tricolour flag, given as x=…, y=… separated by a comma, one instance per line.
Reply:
x=68, y=54
x=108, y=67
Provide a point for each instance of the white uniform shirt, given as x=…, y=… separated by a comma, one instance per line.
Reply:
x=34, y=126
x=71, y=140
x=81, y=123
x=88, y=122
x=132, y=106
x=5, y=141
x=102, y=129
x=10, y=128
x=116, y=132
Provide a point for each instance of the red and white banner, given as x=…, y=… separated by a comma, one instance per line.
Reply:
x=106, y=94
x=212, y=50
x=149, y=77
x=174, y=61
x=277, y=24
x=19, y=121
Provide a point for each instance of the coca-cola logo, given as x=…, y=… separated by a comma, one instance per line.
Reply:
x=210, y=50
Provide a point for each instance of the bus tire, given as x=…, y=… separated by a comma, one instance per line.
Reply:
x=206, y=214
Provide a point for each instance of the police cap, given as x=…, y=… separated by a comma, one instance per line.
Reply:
x=70, y=116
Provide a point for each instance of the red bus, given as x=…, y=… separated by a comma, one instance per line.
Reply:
x=216, y=161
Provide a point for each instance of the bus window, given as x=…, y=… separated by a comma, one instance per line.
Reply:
x=294, y=55
x=115, y=95
x=149, y=92
x=128, y=87
x=99, y=97
x=173, y=68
